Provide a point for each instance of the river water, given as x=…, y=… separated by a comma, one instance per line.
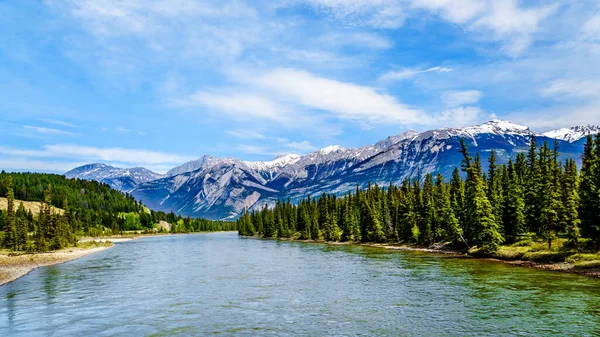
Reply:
x=220, y=284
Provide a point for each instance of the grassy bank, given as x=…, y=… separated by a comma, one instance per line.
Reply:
x=528, y=253
x=15, y=264
x=536, y=254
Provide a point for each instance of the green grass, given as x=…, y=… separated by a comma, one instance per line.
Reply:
x=93, y=244
x=530, y=249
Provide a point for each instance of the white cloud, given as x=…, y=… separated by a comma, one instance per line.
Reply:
x=341, y=99
x=355, y=39
x=47, y=131
x=303, y=146
x=256, y=150
x=591, y=29
x=460, y=116
x=573, y=88
x=457, y=98
x=503, y=20
x=516, y=25
x=25, y=165
x=239, y=106
x=58, y=122
x=407, y=73
x=245, y=134
x=87, y=154
x=458, y=11
x=370, y=13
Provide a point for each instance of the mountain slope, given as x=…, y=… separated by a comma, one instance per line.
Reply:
x=118, y=178
x=220, y=188
x=573, y=134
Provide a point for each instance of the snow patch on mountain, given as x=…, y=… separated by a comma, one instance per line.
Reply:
x=573, y=134
x=278, y=162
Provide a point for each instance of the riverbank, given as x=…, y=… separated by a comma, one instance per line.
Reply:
x=532, y=255
x=13, y=267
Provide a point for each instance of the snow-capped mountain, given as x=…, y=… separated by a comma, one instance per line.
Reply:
x=123, y=179
x=193, y=165
x=573, y=134
x=220, y=188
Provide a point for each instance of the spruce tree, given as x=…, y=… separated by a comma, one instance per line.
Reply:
x=513, y=210
x=449, y=227
x=532, y=189
x=9, y=220
x=481, y=222
x=495, y=187
x=570, y=199
x=589, y=192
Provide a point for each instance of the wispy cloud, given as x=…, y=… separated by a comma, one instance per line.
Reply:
x=340, y=99
x=408, y=73
x=589, y=88
x=256, y=150
x=238, y=105
x=47, y=131
x=457, y=98
x=58, y=122
x=378, y=13
x=88, y=154
x=245, y=134
x=302, y=147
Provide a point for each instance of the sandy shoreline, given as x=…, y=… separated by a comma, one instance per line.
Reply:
x=14, y=267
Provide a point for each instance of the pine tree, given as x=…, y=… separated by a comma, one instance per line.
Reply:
x=495, y=188
x=588, y=191
x=448, y=224
x=481, y=222
x=9, y=221
x=532, y=190
x=570, y=199
x=427, y=228
x=513, y=210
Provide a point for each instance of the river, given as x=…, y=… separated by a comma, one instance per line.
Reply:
x=211, y=284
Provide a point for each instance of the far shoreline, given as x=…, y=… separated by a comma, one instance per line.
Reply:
x=564, y=267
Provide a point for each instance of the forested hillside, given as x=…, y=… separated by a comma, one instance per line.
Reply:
x=534, y=196
x=90, y=208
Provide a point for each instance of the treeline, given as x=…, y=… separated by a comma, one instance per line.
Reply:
x=534, y=195
x=89, y=208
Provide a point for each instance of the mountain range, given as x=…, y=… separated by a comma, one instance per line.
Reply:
x=220, y=188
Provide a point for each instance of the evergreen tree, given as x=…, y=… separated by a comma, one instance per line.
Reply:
x=532, y=190
x=570, y=199
x=513, y=210
x=9, y=220
x=495, y=188
x=480, y=217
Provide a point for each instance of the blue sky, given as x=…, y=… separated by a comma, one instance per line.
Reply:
x=157, y=83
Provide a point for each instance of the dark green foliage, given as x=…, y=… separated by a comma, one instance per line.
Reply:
x=90, y=208
x=589, y=190
x=535, y=194
x=513, y=217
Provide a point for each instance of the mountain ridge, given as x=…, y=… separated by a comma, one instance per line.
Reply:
x=221, y=188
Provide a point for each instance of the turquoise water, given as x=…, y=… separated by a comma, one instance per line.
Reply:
x=220, y=284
